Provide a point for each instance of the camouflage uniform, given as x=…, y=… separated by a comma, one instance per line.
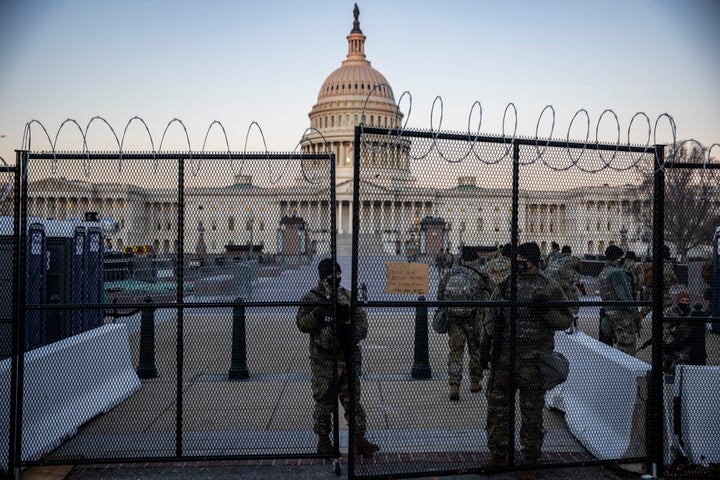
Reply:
x=552, y=256
x=676, y=336
x=535, y=327
x=321, y=359
x=565, y=269
x=497, y=268
x=669, y=279
x=462, y=330
x=615, y=287
x=637, y=276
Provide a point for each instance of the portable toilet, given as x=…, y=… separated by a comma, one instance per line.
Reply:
x=35, y=286
x=93, y=282
x=65, y=243
x=6, y=285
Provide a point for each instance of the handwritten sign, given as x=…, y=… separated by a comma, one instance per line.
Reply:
x=402, y=277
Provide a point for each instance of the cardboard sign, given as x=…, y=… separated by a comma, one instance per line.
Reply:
x=402, y=277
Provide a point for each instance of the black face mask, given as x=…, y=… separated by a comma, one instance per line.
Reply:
x=523, y=267
x=337, y=281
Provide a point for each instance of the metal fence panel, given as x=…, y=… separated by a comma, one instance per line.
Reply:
x=203, y=273
x=424, y=194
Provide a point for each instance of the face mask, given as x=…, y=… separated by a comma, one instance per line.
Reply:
x=337, y=281
x=523, y=267
x=684, y=307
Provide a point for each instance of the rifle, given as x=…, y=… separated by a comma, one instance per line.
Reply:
x=647, y=343
x=498, y=331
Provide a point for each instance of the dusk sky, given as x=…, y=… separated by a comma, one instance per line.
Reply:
x=263, y=61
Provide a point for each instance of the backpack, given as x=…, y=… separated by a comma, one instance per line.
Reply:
x=462, y=286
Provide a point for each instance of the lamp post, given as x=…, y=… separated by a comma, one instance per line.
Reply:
x=251, y=225
x=623, y=237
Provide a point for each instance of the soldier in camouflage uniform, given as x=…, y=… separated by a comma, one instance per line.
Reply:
x=615, y=287
x=554, y=253
x=535, y=330
x=676, y=335
x=565, y=269
x=636, y=276
x=635, y=273
x=466, y=330
x=497, y=267
x=316, y=319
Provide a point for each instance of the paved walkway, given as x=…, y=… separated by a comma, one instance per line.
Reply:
x=268, y=414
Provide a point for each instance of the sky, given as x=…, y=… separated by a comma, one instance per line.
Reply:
x=256, y=67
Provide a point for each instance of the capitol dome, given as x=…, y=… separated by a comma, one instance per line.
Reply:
x=353, y=94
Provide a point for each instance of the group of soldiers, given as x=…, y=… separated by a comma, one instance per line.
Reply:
x=545, y=286
x=623, y=279
x=486, y=332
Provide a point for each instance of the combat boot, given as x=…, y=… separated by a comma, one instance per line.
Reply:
x=455, y=392
x=528, y=474
x=496, y=461
x=364, y=447
x=475, y=386
x=324, y=446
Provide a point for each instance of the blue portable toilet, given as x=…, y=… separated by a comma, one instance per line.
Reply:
x=35, y=286
x=715, y=326
x=6, y=285
x=77, y=295
x=65, y=244
x=93, y=286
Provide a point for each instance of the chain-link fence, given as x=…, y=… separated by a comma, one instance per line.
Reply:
x=161, y=320
x=426, y=201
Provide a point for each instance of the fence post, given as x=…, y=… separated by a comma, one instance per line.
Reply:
x=238, y=367
x=698, y=355
x=54, y=326
x=146, y=366
x=421, y=364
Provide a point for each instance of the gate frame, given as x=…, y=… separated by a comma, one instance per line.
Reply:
x=655, y=411
x=20, y=306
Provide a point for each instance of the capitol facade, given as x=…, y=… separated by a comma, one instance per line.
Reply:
x=588, y=218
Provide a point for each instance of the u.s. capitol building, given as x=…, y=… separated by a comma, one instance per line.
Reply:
x=588, y=218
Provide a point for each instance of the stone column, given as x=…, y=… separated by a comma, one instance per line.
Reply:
x=339, y=217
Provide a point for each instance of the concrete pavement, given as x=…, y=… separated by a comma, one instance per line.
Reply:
x=268, y=414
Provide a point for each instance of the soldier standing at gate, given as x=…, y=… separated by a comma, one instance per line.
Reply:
x=465, y=283
x=676, y=335
x=316, y=319
x=535, y=335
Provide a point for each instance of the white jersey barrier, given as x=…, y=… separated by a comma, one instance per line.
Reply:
x=697, y=402
x=66, y=384
x=604, y=397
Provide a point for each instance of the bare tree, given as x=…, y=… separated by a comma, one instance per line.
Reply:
x=691, y=200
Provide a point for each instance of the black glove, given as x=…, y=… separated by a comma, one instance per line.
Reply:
x=343, y=314
x=323, y=311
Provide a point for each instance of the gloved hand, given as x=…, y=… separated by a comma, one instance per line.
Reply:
x=343, y=314
x=322, y=311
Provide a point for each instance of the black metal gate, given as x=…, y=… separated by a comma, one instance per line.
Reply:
x=165, y=326
x=206, y=255
x=421, y=194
